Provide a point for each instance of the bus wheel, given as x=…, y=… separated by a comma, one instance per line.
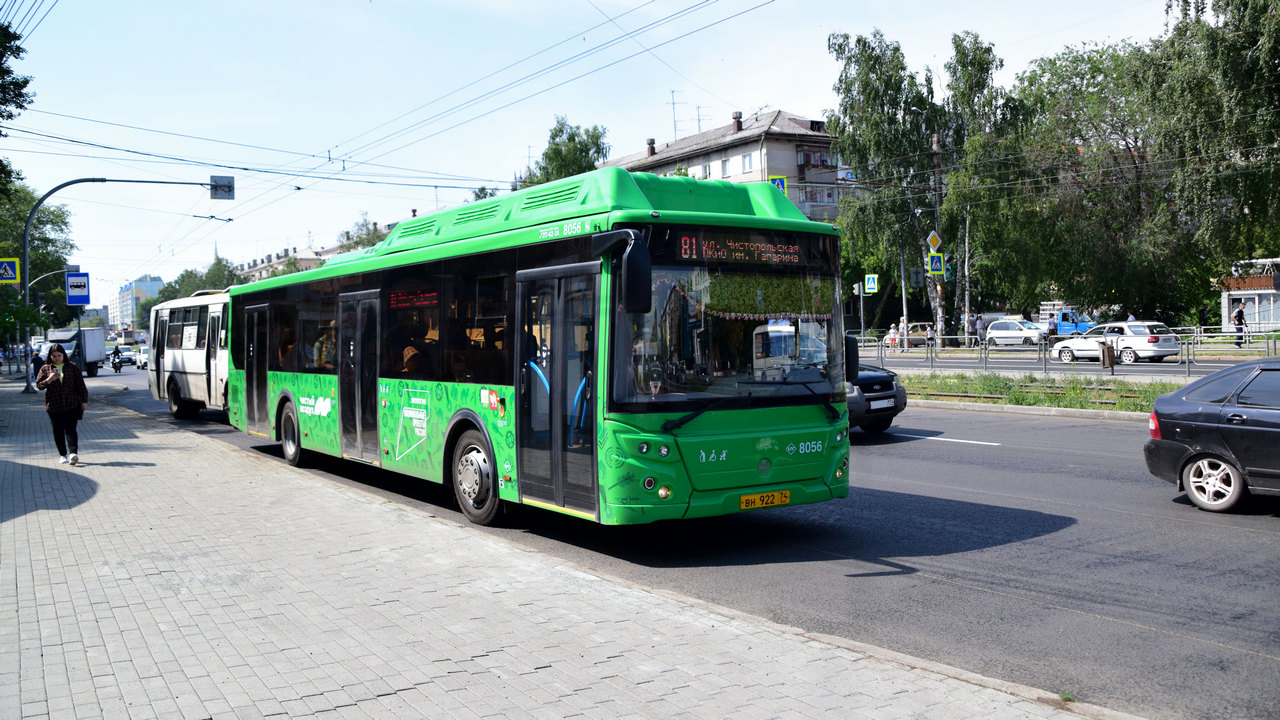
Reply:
x=290, y=438
x=473, y=479
x=178, y=407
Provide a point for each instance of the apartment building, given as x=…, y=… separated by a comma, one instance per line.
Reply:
x=791, y=151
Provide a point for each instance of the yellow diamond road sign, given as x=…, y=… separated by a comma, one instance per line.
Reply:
x=935, y=242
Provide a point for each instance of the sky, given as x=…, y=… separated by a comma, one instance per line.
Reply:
x=330, y=111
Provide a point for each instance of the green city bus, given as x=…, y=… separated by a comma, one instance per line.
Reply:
x=592, y=346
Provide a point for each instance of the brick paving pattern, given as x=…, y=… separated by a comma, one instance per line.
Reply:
x=170, y=575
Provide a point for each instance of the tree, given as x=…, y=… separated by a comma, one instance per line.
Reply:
x=13, y=92
x=220, y=275
x=571, y=150
x=290, y=267
x=882, y=128
x=483, y=193
x=1212, y=86
x=143, y=316
x=47, y=252
x=363, y=234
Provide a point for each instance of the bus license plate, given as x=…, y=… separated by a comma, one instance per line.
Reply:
x=763, y=500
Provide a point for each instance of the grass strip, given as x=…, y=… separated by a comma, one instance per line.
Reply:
x=1036, y=391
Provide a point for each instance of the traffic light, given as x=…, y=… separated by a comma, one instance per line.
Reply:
x=946, y=267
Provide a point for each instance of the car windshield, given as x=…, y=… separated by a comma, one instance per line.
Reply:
x=720, y=329
x=1096, y=332
x=1027, y=326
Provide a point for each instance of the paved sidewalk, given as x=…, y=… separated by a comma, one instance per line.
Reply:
x=172, y=576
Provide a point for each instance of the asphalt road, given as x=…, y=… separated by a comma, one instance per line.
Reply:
x=1032, y=549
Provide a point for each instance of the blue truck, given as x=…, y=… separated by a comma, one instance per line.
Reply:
x=1070, y=322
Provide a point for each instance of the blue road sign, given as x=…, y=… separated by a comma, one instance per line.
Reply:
x=9, y=271
x=77, y=288
x=871, y=283
x=936, y=266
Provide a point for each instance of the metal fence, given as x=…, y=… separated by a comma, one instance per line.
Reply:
x=1203, y=349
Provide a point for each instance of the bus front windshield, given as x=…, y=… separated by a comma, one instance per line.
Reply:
x=739, y=317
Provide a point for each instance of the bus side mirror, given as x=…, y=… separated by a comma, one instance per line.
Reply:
x=637, y=270
x=851, y=357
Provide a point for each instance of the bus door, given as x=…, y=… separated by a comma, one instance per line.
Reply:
x=555, y=404
x=358, y=334
x=159, y=339
x=256, y=353
x=213, y=351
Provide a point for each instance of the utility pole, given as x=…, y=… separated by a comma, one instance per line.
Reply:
x=966, y=264
x=941, y=310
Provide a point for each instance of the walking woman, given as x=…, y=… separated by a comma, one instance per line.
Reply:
x=65, y=399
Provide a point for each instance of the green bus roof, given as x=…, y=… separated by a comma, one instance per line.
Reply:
x=621, y=195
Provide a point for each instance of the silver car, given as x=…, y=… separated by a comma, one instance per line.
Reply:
x=1133, y=341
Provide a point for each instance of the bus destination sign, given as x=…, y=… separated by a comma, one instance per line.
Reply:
x=729, y=249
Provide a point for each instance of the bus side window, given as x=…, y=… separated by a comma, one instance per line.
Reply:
x=202, y=328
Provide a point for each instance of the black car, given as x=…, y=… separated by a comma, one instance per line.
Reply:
x=875, y=399
x=1219, y=437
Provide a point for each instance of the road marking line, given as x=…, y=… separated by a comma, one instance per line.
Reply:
x=942, y=439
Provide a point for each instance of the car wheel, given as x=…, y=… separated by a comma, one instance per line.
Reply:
x=1128, y=356
x=1028, y=341
x=1213, y=484
x=1065, y=355
x=877, y=426
x=290, y=437
x=474, y=481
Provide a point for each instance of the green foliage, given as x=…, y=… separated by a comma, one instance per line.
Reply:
x=290, y=267
x=365, y=233
x=483, y=193
x=220, y=275
x=1079, y=392
x=882, y=127
x=143, y=316
x=571, y=150
x=48, y=251
x=1108, y=175
x=758, y=296
x=13, y=93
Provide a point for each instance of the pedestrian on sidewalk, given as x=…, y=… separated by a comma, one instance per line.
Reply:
x=65, y=399
x=1237, y=317
x=36, y=364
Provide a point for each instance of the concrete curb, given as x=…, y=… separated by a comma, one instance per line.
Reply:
x=1032, y=410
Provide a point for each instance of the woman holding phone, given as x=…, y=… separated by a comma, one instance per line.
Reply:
x=65, y=399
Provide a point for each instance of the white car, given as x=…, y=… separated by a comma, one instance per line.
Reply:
x=1133, y=341
x=144, y=353
x=1014, y=332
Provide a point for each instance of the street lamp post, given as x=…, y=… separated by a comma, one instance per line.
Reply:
x=220, y=188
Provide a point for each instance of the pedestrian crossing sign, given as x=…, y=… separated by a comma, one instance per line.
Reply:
x=9, y=274
x=870, y=284
x=936, y=266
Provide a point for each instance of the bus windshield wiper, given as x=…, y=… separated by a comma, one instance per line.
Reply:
x=805, y=384
x=670, y=425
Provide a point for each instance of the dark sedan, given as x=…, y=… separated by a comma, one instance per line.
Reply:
x=1219, y=437
x=875, y=399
